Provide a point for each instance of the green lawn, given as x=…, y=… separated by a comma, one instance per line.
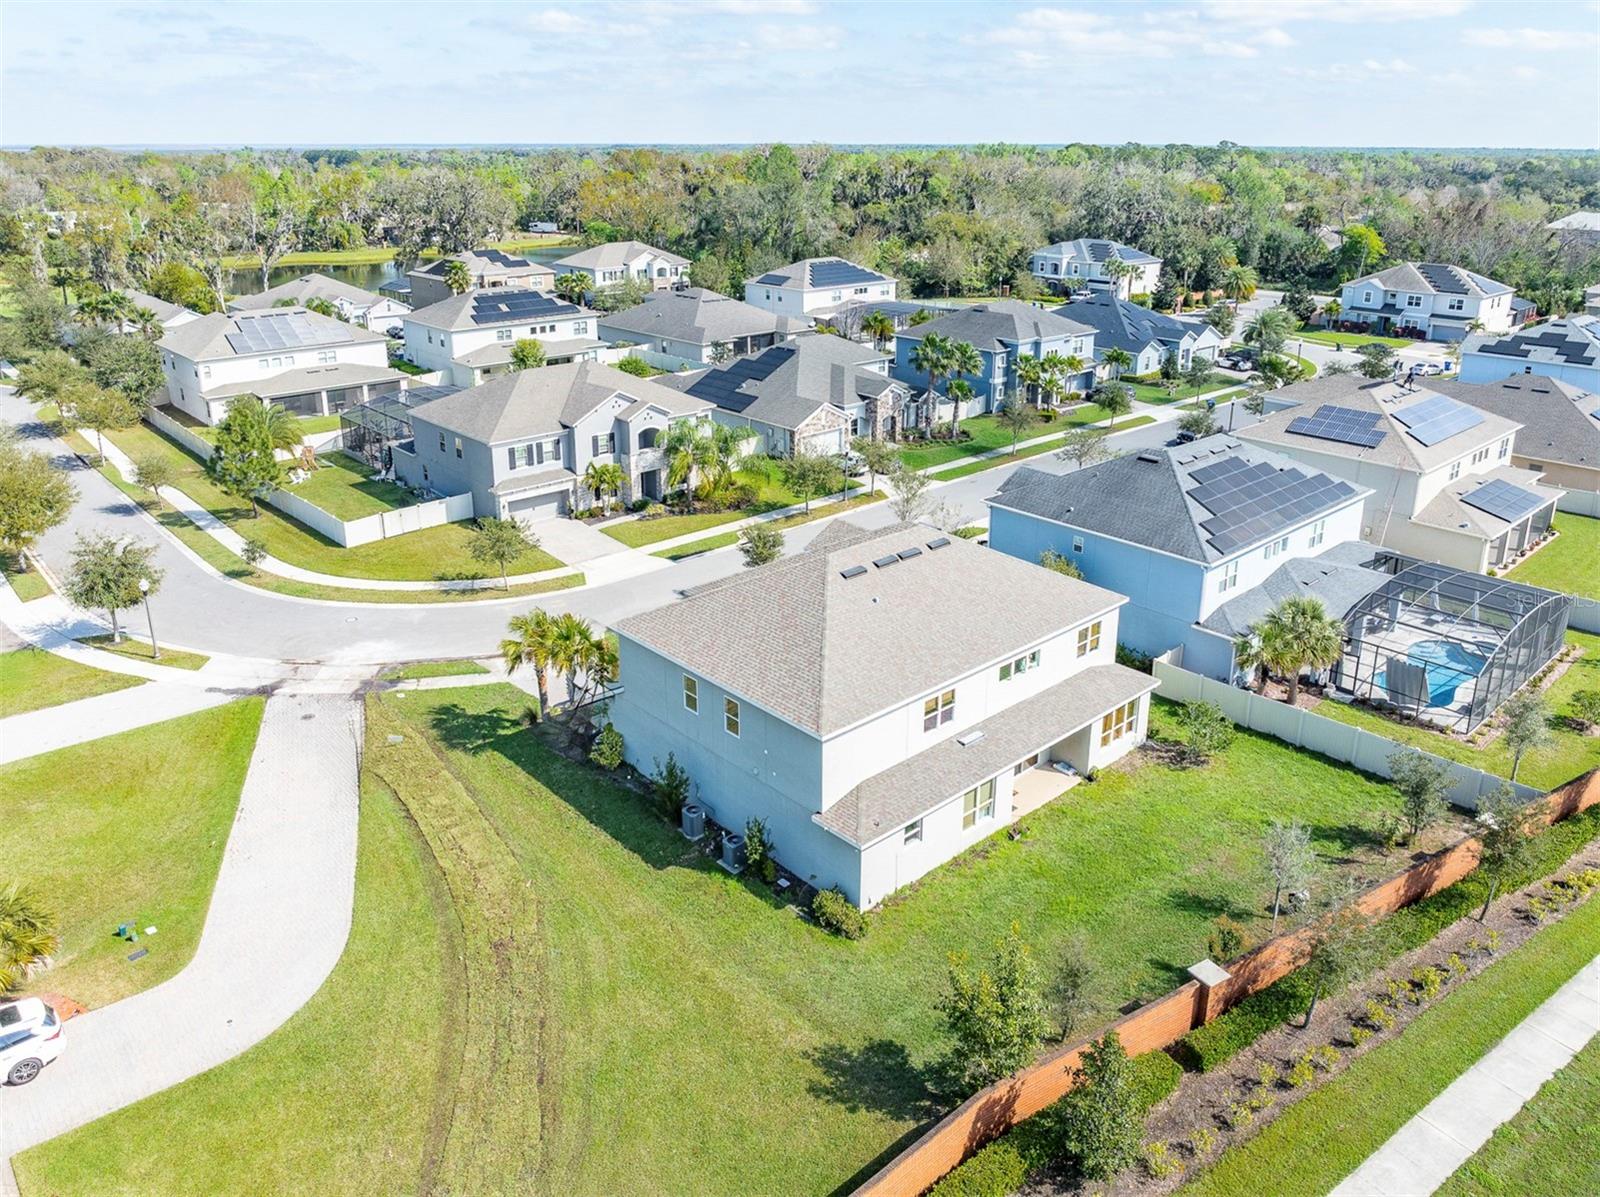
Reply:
x=722, y=539
x=1324, y=1137
x=140, y=651
x=27, y=585
x=348, y=489
x=762, y=473
x=129, y=828
x=1571, y=562
x=1570, y=753
x=422, y=669
x=314, y=424
x=986, y=434
x=1351, y=340
x=354, y=1094
x=32, y=679
x=626, y=992
x=1548, y=1147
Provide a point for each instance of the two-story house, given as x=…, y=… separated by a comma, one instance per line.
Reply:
x=1002, y=331
x=619, y=261
x=862, y=699
x=1567, y=350
x=694, y=326
x=469, y=337
x=1443, y=301
x=817, y=286
x=353, y=304
x=810, y=395
x=1181, y=532
x=521, y=443
x=1560, y=435
x=311, y=364
x=1149, y=337
x=1070, y=265
x=487, y=269
x=1442, y=484
x=169, y=315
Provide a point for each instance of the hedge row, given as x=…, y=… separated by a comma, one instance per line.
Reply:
x=1003, y=1167
x=1406, y=929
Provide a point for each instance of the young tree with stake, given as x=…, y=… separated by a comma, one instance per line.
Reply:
x=1290, y=861
x=1423, y=783
x=106, y=573
x=498, y=543
x=1506, y=828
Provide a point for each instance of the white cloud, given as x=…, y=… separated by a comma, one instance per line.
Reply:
x=1540, y=40
x=1352, y=72
x=1085, y=32
x=1273, y=37
x=1344, y=12
x=799, y=37
x=1229, y=49
x=763, y=8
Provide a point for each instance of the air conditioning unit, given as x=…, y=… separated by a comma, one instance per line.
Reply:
x=733, y=852
x=693, y=821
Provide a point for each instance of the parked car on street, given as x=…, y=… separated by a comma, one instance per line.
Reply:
x=1237, y=358
x=30, y=1038
x=1427, y=369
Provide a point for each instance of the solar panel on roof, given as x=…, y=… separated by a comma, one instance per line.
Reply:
x=490, y=307
x=773, y=280
x=1438, y=418
x=1253, y=501
x=1503, y=500
x=277, y=330
x=836, y=272
x=733, y=387
x=1345, y=425
x=1442, y=278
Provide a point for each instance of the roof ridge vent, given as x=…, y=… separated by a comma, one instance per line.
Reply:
x=1151, y=458
x=886, y=562
x=855, y=571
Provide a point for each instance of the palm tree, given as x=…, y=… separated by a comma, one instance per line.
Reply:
x=724, y=446
x=1115, y=270
x=965, y=361
x=1239, y=282
x=1269, y=329
x=1029, y=372
x=1117, y=360
x=959, y=391
x=879, y=326
x=1248, y=658
x=532, y=642
x=1330, y=312
x=272, y=421
x=572, y=286
x=1299, y=634
x=1071, y=366
x=457, y=277
x=931, y=356
x=27, y=935
x=686, y=451
x=1054, y=366
x=603, y=477
x=148, y=324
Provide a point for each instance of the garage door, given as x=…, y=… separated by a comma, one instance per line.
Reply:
x=539, y=507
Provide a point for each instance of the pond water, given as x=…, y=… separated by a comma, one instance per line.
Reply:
x=369, y=276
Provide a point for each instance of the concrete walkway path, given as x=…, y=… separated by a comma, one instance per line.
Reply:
x=1422, y=1154
x=277, y=924
x=34, y=732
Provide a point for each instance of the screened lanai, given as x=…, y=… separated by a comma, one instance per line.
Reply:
x=1449, y=646
x=368, y=430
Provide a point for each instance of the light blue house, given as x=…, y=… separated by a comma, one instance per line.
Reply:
x=1002, y=331
x=1191, y=535
x=1566, y=350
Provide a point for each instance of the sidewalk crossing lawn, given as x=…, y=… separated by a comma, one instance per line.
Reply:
x=1571, y=562
x=32, y=679
x=126, y=829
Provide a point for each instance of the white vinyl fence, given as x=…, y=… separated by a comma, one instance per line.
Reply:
x=1580, y=502
x=1366, y=750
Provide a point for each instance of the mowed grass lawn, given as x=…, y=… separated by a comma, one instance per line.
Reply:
x=635, y=1020
x=1320, y=1140
x=1569, y=753
x=432, y=553
x=28, y=584
x=129, y=828
x=32, y=679
x=1571, y=562
x=1351, y=340
x=348, y=490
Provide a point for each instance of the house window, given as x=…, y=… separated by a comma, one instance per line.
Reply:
x=502, y=334
x=1319, y=530
x=1077, y=544
x=514, y=456
x=1277, y=548
x=1455, y=470
x=913, y=834
x=605, y=443
x=977, y=804
x=327, y=355
x=458, y=446
x=578, y=326
x=1481, y=455
x=1458, y=305
x=1366, y=297
x=730, y=716
x=940, y=708
x=264, y=364
x=205, y=371
x=441, y=442
x=1119, y=722
x=1021, y=665
x=691, y=694
x=1413, y=301
x=1229, y=578
x=1505, y=448
x=1089, y=639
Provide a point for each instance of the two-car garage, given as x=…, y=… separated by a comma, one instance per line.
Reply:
x=532, y=508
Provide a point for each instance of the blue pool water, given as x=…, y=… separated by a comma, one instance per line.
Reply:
x=1447, y=665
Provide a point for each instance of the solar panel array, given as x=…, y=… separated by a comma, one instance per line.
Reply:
x=836, y=272
x=1099, y=251
x=1503, y=500
x=1251, y=501
x=1438, y=418
x=1343, y=424
x=275, y=331
x=1570, y=349
x=500, y=258
x=499, y=307
x=773, y=280
x=722, y=385
x=1443, y=278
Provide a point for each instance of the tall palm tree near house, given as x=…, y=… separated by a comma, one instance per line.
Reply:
x=1248, y=658
x=931, y=356
x=1029, y=372
x=27, y=935
x=1239, y=282
x=147, y=323
x=879, y=326
x=457, y=277
x=1298, y=634
x=1269, y=329
x=1330, y=312
x=1115, y=270
x=965, y=362
x=724, y=446
x=687, y=451
x=532, y=642
x=1071, y=367
x=603, y=478
x=959, y=391
x=1054, y=365
x=572, y=286
x=1117, y=360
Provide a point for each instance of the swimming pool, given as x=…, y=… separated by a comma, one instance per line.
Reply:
x=1447, y=665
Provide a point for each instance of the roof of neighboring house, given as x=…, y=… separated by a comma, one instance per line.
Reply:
x=298, y=381
x=1341, y=578
x=1435, y=278
x=544, y=400
x=164, y=309
x=1094, y=250
x=696, y=316
x=1588, y=222
x=497, y=353
x=825, y=651
x=820, y=273
x=1397, y=446
x=1204, y=501
x=489, y=263
x=998, y=323
x=1450, y=510
x=1123, y=324
x=252, y=334
x=310, y=286
x=1572, y=341
x=785, y=385
x=1560, y=422
x=614, y=255
x=906, y=791
x=492, y=306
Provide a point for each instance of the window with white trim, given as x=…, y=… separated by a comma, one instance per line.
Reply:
x=1455, y=470
x=1413, y=301
x=1505, y=448
x=730, y=716
x=458, y=446
x=1229, y=577
x=1277, y=548
x=1021, y=665
x=938, y=709
x=1088, y=638
x=503, y=334
x=1319, y=532
x=691, y=694
x=1366, y=297
x=325, y=356
x=977, y=804
x=1119, y=722
x=1481, y=455
x=913, y=832
x=1077, y=544
x=1458, y=305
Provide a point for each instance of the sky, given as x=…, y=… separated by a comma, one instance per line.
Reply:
x=1258, y=72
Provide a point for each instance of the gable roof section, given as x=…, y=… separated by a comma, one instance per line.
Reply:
x=785, y=385
x=613, y=255
x=697, y=316
x=824, y=651
x=310, y=286
x=1432, y=278
x=1560, y=422
x=1573, y=341
x=1095, y=250
x=820, y=273
x=489, y=307
x=1341, y=578
x=487, y=262
x=1122, y=324
x=997, y=324
x=208, y=337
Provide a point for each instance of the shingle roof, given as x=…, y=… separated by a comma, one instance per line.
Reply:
x=1001, y=322
x=456, y=313
x=697, y=316
x=1122, y=324
x=614, y=255
x=814, y=272
x=1558, y=420
x=490, y=263
x=301, y=379
x=207, y=337
x=824, y=651
x=785, y=385
x=1447, y=510
x=1341, y=578
x=543, y=400
x=1588, y=222
x=1432, y=278
x=1093, y=250
x=163, y=309
x=310, y=286
x=1573, y=341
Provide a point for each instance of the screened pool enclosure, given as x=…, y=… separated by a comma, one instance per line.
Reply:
x=1448, y=646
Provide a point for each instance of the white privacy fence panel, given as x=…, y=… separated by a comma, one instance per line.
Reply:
x=1580, y=502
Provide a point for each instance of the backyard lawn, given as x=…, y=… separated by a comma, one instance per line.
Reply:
x=1571, y=562
x=32, y=679
x=347, y=489
x=1570, y=752
x=129, y=828
x=673, y=1049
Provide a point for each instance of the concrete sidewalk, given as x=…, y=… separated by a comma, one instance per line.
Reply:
x=1422, y=1154
x=34, y=732
x=277, y=924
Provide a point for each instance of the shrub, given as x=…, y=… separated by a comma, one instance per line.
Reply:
x=757, y=844
x=834, y=912
x=1214, y=1044
x=1380, y=1016
x=1205, y=729
x=1228, y=939
x=1427, y=983
x=1159, y=1161
x=996, y=1014
x=1303, y=1073
x=1100, y=1121
x=1133, y=658
x=1359, y=1035
x=1325, y=1057
x=638, y=367
x=1201, y=1140
x=671, y=786
x=769, y=870
x=253, y=550
x=1457, y=966
x=1155, y=1077
x=1240, y=1116
x=1267, y=1075
x=607, y=750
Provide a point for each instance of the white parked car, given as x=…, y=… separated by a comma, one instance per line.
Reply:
x=30, y=1038
x=1427, y=369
